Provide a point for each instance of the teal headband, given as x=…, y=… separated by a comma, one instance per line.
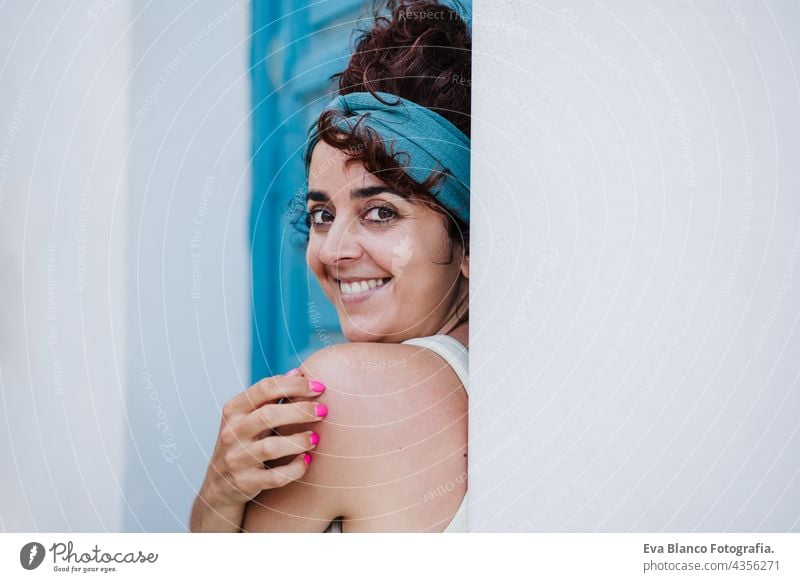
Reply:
x=430, y=140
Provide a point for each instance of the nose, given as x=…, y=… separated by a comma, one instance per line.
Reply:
x=340, y=242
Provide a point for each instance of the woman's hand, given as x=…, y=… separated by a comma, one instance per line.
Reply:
x=246, y=441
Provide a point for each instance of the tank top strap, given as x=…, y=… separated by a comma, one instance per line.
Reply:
x=451, y=350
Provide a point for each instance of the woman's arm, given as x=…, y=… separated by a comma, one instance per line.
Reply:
x=396, y=432
x=209, y=516
x=236, y=471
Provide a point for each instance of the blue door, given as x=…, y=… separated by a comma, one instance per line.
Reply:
x=296, y=46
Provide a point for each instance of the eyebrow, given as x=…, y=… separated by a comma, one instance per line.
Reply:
x=355, y=194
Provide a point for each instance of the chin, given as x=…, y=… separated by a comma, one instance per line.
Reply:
x=360, y=335
x=364, y=333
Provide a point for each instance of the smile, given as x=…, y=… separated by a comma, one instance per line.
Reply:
x=357, y=291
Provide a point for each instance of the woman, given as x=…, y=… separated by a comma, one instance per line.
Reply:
x=388, y=215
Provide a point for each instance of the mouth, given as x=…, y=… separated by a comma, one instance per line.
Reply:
x=358, y=291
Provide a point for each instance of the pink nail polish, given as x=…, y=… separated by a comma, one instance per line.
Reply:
x=307, y=459
x=314, y=438
x=294, y=372
x=320, y=410
x=317, y=386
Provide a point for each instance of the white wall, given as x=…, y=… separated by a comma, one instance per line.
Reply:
x=188, y=249
x=124, y=294
x=63, y=204
x=636, y=267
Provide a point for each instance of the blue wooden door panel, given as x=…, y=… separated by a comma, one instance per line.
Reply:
x=308, y=43
x=296, y=46
x=321, y=14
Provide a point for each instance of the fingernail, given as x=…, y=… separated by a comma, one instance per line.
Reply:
x=314, y=439
x=316, y=386
x=294, y=372
x=320, y=410
x=307, y=459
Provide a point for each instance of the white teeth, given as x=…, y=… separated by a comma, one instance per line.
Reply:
x=361, y=286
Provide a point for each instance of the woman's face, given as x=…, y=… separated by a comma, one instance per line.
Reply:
x=375, y=254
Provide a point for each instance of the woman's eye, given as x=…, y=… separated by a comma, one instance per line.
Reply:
x=380, y=214
x=319, y=217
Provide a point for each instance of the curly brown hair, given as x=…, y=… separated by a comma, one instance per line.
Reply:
x=420, y=51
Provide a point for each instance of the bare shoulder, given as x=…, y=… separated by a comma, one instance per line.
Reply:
x=370, y=371
x=396, y=430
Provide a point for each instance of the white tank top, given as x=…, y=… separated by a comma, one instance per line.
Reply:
x=457, y=355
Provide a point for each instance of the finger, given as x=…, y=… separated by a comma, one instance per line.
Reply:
x=270, y=390
x=271, y=416
x=247, y=483
x=285, y=474
x=277, y=447
x=290, y=373
x=289, y=428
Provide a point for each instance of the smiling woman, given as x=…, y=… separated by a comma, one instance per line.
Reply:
x=387, y=218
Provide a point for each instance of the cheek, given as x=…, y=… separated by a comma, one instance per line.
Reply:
x=382, y=250
x=425, y=274
x=408, y=254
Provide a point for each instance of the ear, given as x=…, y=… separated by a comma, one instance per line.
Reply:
x=465, y=266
